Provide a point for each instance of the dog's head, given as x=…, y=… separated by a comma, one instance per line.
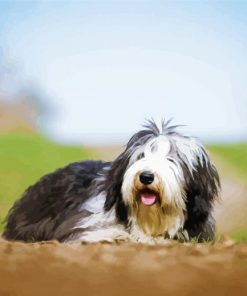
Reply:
x=150, y=180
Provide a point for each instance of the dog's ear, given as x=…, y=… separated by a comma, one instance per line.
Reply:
x=204, y=177
x=202, y=187
x=200, y=173
x=113, y=186
x=115, y=175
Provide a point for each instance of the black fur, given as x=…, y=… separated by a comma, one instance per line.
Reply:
x=201, y=190
x=52, y=202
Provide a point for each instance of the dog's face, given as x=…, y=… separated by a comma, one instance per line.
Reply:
x=154, y=174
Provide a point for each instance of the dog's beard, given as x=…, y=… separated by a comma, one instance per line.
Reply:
x=150, y=207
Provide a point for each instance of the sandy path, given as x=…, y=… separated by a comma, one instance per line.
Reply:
x=231, y=210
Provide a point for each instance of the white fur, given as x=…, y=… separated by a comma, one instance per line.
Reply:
x=110, y=234
x=157, y=161
x=94, y=204
x=189, y=150
x=104, y=224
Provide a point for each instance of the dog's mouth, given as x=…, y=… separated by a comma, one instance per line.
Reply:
x=149, y=197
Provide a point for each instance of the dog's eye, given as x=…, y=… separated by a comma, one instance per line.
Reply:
x=153, y=147
x=171, y=159
x=140, y=156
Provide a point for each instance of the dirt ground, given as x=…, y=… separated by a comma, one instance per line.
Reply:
x=129, y=269
x=122, y=269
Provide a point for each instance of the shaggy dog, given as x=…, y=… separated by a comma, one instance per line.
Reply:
x=162, y=186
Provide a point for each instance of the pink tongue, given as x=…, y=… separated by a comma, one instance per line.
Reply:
x=148, y=198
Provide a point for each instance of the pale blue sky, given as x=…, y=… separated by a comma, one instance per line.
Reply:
x=108, y=65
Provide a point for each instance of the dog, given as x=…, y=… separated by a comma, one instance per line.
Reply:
x=162, y=186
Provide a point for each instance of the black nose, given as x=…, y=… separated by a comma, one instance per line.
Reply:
x=146, y=177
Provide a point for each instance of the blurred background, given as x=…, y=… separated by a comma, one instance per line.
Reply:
x=78, y=78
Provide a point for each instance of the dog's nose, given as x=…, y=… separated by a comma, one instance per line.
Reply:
x=146, y=177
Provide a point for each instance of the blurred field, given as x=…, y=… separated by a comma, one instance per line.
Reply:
x=24, y=158
x=235, y=155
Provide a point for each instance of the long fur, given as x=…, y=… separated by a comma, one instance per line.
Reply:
x=97, y=201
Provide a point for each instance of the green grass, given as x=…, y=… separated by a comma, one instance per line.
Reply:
x=235, y=155
x=24, y=158
x=240, y=235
